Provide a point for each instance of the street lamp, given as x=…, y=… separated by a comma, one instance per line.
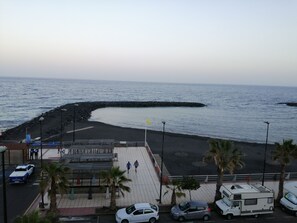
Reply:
x=2, y=151
x=41, y=119
x=73, y=133
x=61, y=134
x=161, y=177
x=264, y=164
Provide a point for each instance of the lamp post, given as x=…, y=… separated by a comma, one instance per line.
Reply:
x=41, y=119
x=264, y=164
x=61, y=133
x=2, y=151
x=74, y=113
x=162, y=153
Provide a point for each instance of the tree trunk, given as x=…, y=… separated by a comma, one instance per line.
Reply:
x=281, y=183
x=173, y=197
x=219, y=184
x=53, y=199
x=113, y=204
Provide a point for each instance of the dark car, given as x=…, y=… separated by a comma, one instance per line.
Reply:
x=191, y=210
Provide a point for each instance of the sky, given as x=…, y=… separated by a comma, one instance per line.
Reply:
x=252, y=42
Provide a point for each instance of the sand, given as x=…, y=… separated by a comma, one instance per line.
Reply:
x=183, y=154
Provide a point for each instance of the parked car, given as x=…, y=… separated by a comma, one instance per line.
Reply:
x=139, y=212
x=289, y=200
x=21, y=173
x=191, y=210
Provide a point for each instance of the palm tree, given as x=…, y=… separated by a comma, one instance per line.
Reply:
x=33, y=217
x=176, y=188
x=283, y=154
x=115, y=179
x=43, y=184
x=58, y=182
x=226, y=157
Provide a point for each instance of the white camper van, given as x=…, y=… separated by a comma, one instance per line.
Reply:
x=245, y=199
x=289, y=200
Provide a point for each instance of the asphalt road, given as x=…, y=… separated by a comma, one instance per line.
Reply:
x=19, y=197
x=277, y=216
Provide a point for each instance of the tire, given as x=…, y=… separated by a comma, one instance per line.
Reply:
x=206, y=217
x=125, y=221
x=229, y=216
x=256, y=216
x=152, y=220
x=295, y=213
x=181, y=219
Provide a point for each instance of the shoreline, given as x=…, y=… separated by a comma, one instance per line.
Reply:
x=183, y=153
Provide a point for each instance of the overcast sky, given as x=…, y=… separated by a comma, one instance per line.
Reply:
x=184, y=41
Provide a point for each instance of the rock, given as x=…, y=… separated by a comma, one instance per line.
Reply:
x=52, y=119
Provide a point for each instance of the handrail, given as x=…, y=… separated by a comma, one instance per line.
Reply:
x=239, y=177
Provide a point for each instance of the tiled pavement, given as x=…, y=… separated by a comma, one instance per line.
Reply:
x=145, y=185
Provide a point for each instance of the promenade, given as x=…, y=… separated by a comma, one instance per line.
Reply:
x=145, y=186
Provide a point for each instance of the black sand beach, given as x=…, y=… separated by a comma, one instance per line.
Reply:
x=183, y=154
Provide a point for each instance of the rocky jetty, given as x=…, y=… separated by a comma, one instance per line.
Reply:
x=52, y=119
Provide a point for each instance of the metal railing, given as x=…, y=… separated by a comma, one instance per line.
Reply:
x=239, y=177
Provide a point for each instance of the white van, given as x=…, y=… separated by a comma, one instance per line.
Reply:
x=289, y=200
x=245, y=199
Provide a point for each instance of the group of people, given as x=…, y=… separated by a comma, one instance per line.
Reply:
x=33, y=154
x=129, y=165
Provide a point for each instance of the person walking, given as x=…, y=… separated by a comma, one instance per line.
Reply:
x=128, y=166
x=136, y=164
x=31, y=154
x=36, y=153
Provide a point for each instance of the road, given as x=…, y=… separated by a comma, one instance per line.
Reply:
x=278, y=216
x=19, y=197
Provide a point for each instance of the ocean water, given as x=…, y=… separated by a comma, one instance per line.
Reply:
x=232, y=112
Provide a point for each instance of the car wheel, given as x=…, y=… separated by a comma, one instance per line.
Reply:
x=125, y=221
x=205, y=217
x=296, y=214
x=181, y=218
x=152, y=220
x=229, y=216
x=256, y=215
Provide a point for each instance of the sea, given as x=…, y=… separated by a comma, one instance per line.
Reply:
x=235, y=112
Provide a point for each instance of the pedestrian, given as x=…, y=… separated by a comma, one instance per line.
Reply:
x=36, y=153
x=31, y=154
x=136, y=164
x=128, y=166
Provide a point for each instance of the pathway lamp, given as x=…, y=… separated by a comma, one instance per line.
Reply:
x=74, y=113
x=162, y=155
x=2, y=151
x=61, y=133
x=264, y=164
x=41, y=119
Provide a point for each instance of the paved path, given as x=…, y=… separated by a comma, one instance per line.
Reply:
x=145, y=185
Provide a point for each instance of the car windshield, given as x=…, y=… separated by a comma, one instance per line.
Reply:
x=20, y=169
x=130, y=209
x=184, y=206
x=227, y=201
x=291, y=197
x=155, y=207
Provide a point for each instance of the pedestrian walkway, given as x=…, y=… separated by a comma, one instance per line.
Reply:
x=145, y=185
